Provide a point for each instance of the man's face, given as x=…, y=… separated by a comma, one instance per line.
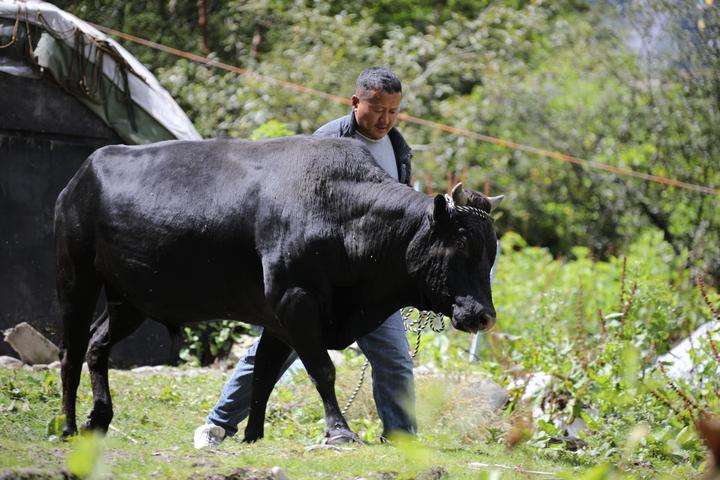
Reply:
x=376, y=112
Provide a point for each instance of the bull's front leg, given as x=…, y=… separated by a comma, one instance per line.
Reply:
x=271, y=355
x=300, y=315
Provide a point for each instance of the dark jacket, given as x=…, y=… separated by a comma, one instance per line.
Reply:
x=346, y=126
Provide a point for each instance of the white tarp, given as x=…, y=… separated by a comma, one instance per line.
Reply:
x=145, y=90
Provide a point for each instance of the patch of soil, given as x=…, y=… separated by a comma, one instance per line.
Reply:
x=386, y=475
x=34, y=474
x=435, y=473
x=237, y=474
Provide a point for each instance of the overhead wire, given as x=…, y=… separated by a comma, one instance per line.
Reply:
x=563, y=157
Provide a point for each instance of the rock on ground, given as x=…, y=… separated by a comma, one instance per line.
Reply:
x=678, y=360
x=31, y=345
x=434, y=473
x=278, y=474
x=487, y=391
x=536, y=385
x=10, y=362
x=337, y=357
x=538, y=392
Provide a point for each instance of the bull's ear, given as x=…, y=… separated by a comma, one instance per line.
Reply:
x=495, y=201
x=458, y=195
x=440, y=211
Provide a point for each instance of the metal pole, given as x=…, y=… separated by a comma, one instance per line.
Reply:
x=478, y=339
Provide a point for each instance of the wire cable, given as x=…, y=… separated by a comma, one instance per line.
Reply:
x=622, y=171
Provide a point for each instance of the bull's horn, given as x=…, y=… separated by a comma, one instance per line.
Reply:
x=458, y=195
x=495, y=201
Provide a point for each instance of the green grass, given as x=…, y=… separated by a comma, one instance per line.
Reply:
x=156, y=414
x=549, y=322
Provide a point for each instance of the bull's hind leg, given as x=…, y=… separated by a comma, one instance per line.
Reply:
x=121, y=320
x=78, y=295
x=271, y=355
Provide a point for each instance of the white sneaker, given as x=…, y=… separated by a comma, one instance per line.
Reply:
x=208, y=436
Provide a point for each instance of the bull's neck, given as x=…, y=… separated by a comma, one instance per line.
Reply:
x=392, y=215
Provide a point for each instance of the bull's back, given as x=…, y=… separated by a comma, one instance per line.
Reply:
x=173, y=227
x=180, y=228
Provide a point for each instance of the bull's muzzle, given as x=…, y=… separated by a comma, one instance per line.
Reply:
x=489, y=321
x=473, y=319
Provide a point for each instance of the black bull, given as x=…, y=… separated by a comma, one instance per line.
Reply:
x=307, y=237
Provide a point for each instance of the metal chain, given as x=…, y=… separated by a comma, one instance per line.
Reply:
x=357, y=388
x=425, y=319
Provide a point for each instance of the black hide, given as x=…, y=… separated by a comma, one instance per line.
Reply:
x=308, y=237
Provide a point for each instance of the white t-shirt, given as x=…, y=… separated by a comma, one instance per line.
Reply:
x=382, y=151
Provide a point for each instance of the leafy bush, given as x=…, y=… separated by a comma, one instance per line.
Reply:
x=595, y=329
x=271, y=129
x=203, y=343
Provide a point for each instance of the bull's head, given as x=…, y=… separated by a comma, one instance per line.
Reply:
x=451, y=256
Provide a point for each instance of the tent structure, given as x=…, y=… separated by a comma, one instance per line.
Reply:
x=66, y=89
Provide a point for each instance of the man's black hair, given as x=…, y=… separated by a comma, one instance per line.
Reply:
x=378, y=78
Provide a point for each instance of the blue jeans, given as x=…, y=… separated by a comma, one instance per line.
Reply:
x=392, y=372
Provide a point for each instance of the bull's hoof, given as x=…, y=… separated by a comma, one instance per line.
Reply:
x=98, y=420
x=252, y=437
x=340, y=436
x=69, y=432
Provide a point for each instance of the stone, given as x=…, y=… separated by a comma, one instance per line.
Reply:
x=425, y=369
x=537, y=385
x=434, y=473
x=149, y=369
x=337, y=358
x=489, y=393
x=31, y=345
x=10, y=362
x=497, y=396
x=537, y=389
x=278, y=474
x=678, y=361
x=577, y=426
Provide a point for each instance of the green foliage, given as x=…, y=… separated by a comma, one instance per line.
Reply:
x=596, y=328
x=84, y=461
x=206, y=342
x=271, y=129
x=55, y=426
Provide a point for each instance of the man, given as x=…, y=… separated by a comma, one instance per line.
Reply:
x=375, y=106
